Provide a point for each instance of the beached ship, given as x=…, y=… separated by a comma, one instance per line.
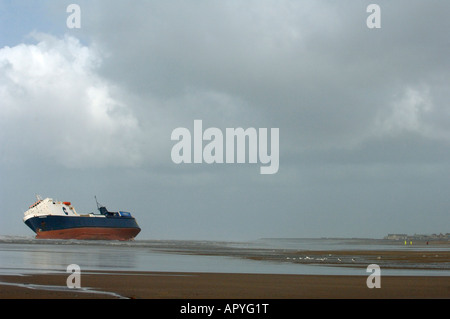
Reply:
x=59, y=220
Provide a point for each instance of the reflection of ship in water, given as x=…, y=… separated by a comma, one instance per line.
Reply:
x=59, y=220
x=57, y=254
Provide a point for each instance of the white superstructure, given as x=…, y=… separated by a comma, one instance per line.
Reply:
x=49, y=207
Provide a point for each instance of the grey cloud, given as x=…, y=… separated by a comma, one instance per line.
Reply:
x=312, y=67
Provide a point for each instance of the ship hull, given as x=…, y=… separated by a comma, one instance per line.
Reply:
x=84, y=227
x=90, y=233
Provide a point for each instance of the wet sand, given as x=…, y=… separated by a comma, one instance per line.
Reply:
x=161, y=285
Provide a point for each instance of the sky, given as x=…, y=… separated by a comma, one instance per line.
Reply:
x=363, y=114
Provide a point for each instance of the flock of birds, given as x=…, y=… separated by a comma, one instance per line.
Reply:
x=330, y=258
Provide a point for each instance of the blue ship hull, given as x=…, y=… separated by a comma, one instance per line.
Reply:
x=84, y=227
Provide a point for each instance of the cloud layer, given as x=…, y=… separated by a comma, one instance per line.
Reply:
x=311, y=68
x=55, y=107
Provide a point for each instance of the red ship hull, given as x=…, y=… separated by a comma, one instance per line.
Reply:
x=90, y=233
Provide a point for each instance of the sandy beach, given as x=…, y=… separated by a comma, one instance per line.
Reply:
x=160, y=285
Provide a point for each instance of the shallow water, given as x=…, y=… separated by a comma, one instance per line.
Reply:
x=21, y=255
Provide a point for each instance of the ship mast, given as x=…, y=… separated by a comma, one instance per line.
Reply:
x=98, y=206
x=102, y=209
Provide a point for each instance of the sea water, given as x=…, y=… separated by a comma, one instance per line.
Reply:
x=21, y=255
